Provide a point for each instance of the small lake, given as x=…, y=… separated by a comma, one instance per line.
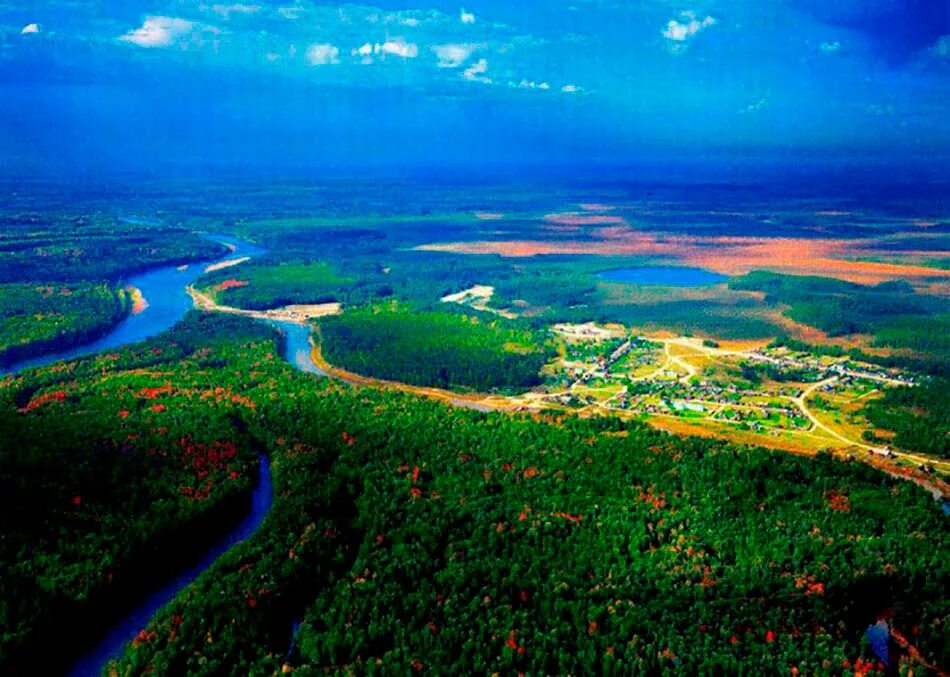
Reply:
x=667, y=276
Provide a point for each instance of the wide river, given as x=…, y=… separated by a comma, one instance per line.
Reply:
x=164, y=290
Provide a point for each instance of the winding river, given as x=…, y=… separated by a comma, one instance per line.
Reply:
x=165, y=291
x=297, y=353
x=110, y=647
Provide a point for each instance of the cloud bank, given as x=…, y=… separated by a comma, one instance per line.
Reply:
x=158, y=31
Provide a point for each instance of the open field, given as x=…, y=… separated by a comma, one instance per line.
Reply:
x=729, y=256
x=297, y=314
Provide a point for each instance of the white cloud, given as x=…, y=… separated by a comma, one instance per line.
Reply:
x=466, y=17
x=453, y=55
x=941, y=48
x=400, y=48
x=158, y=31
x=365, y=52
x=530, y=84
x=476, y=72
x=681, y=31
x=237, y=8
x=30, y=29
x=414, y=18
x=323, y=54
x=830, y=47
x=761, y=104
x=570, y=89
x=290, y=13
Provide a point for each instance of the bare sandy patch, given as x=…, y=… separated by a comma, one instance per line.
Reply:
x=226, y=264
x=139, y=302
x=296, y=314
x=477, y=297
x=299, y=314
x=589, y=331
x=725, y=255
x=480, y=292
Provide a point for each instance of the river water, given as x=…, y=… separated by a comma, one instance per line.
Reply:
x=125, y=630
x=168, y=302
x=164, y=290
x=297, y=350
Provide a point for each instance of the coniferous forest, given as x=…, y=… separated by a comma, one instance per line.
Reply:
x=406, y=535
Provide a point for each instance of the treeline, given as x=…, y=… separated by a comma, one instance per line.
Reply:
x=938, y=365
x=444, y=350
x=110, y=480
x=70, y=251
x=835, y=306
x=259, y=285
x=922, y=334
x=40, y=318
x=409, y=536
x=732, y=320
x=893, y=312
x=754, y=372
x=919, y=416
x=59, y=272
x=415, y=537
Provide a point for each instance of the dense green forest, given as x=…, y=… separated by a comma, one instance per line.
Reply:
x=406, y=536
x=106, y=483
x=69, y=248
x=35, y=319
x=918, y=415
x=59, y=275
x=838, y=307
x=259, y=285
x=412, y=536
x=930, y=335
x=892, y=311
x=434, y=349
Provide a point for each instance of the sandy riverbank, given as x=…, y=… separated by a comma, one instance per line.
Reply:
x=139, y=302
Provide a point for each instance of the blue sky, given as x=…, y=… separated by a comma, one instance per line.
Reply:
x=131, y=85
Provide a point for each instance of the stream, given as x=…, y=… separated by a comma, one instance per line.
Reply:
x=126, y=629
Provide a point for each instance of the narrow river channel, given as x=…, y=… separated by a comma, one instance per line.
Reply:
x=125, y=630
x=167, y=287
